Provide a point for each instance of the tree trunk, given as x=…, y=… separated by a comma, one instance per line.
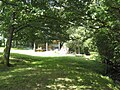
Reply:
x=59, y=47
x=34, y=46
x=46, y=46
x=8, y=47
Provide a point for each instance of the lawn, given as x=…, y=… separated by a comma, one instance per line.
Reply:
x=54, y=73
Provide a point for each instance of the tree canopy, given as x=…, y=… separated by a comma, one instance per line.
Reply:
x=28, y=20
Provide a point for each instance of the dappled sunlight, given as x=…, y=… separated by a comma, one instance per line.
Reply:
x=36, y=62
x=22, y=69
x=59, y=44
x=62, y=87
x=63, y=79
x=62, y=83
x=6, y=77
x=54, y=73
x=78, y=83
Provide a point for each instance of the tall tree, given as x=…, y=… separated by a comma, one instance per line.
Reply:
x=18, y=15
x=46, y=15
x=103, y=18
x=15, y=16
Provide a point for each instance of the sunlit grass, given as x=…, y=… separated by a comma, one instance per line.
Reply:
x=2, y=48
x=54, y=73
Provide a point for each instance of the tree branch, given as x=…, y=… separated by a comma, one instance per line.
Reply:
x=116, y=8
x=8, y=3
x=21, y=27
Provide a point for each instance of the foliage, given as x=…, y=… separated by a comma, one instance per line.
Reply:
x=50, y=18
x=104, y=44
x=17, y=16
x=115, y=28
x=86, y=51
x=80, y=37
x=103, y=19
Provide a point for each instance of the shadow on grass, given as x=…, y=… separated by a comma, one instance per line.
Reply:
x=54, y=73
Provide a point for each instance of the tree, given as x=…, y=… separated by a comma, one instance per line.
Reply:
x=15, y=16
x=77, y=38
x=42, y=15
x=103, y=19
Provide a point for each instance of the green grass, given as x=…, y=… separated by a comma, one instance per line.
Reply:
x=2, y=48
x=54, y=73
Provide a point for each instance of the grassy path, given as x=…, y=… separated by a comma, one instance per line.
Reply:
x=54, y=73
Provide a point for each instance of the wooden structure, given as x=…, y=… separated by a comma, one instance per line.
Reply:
x=54, y=45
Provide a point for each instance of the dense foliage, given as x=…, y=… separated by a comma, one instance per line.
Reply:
x=79, y=38
x=49, y=19
x=105, y=21
x=28, y=20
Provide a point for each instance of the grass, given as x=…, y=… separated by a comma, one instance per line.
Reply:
x=54, y=73
x=2, y=48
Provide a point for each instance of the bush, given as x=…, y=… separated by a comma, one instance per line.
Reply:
x=105, y=46
x=86, y=51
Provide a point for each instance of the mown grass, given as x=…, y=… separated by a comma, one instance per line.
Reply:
x=54, y=73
